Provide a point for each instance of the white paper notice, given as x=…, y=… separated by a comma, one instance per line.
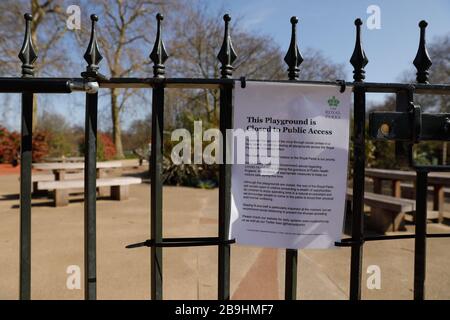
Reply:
x=302, y=204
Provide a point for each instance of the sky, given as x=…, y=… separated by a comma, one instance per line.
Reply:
x=323, y=24
x=329, y=26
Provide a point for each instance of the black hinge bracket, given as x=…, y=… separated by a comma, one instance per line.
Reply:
x=412, y=126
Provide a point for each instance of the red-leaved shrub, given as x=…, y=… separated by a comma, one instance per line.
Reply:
x=10, y=146
x=106, y=148
x=40, y=145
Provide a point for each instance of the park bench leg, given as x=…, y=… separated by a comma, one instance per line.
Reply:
x=35, y=188
x=398, y=221
x=102, y=191
x=396, y=189
x=37, y=192
x=61, y=198
x=377, y=185
x=438, y=201
x=119, y=192
x=382, y=220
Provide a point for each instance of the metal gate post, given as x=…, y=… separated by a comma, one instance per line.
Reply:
x=158, y=56
x=422, y=62
x=93, y=58
x=28, y=56
x=293, y=59
x=226, y=56
x=359, y=61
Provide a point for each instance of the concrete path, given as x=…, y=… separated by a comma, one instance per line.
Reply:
x=190, y=273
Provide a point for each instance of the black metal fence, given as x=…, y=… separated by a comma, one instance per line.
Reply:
x=408, y=125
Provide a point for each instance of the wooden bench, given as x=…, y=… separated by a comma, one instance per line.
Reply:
x=387, y=212
x=439, y=180
x=119, y=188
x=408, y=190
x=35, y=178
x=63, y=169
x=438, y=213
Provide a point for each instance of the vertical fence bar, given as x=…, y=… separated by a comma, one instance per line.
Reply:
x=156, y=191
x=93, y=57
x=226, y=105
x=28, y=56
x=90, y=196
x=25, y=195
x=293, y=59
x=359, y=61
x=226, y=56
x=422, y=62
x=158, y=56
x=421, y=231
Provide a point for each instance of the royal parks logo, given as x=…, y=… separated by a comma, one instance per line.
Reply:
x=333, y=102
x=333, y=112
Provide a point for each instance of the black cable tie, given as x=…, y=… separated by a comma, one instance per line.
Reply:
x=341, y=83
x=182, y=242
x=243, y=82
x=349, y=242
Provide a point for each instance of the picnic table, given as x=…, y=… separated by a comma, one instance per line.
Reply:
x=438, y=180
x=61, y=166
x=64, y=159
x=63, y=171
x=59, y=169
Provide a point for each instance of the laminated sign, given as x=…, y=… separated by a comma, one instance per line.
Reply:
x=290, y=155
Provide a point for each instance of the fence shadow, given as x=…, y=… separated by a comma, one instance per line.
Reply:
x=9, y=197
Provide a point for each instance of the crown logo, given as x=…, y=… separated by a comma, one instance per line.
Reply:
x=333, y=102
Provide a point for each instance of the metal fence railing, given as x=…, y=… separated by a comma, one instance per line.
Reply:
x=415, y=127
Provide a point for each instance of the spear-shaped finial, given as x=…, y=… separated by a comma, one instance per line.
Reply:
x=92, y=54
x=227, y=55
x=359, y=58
x=293, y=57
x=28, y=53
x=159, y=54
x=422, y=61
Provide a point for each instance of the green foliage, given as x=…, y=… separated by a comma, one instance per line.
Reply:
x=40, y=145
x=428, y=153
x=384, y=155
x=138, y=136
x=63, y=139
x=61, y=146
x=105, y=147
x=191, y=175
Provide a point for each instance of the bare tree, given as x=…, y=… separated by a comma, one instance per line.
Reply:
x=47, y=29
x=196, y=41
x=125, y=36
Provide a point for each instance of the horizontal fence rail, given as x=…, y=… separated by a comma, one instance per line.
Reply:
x=91, y=81
x=69, y=85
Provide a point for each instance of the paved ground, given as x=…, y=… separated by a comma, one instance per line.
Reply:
x=191, y=273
